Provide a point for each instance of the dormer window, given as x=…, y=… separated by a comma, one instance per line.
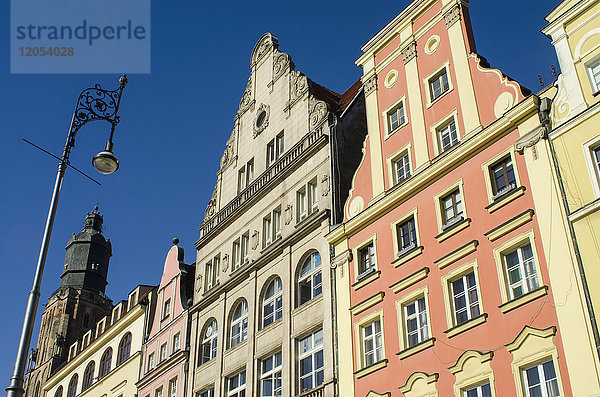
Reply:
x=166, y=308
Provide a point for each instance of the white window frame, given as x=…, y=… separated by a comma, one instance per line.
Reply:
x=367, y=251
x=310, y=276
x=589, y=68
x=236, y=254
x=163, y=352
x=245, y=243
x=301, y=203
x=206, y=393
x=453, y=135
x=166, y=308
x=421, y=324
x=404, y=159
x=470, y=305
x=275, y=300
x=393, y=109
x=273, y=375
x=150, y=362
x=478, y=390
x=238, y=327
x=275, y=149
x=212, y=272
x=414, y=243
x=240, y=387
x=173, y=387
x=376, y=340
x=311, y=352
x=542, y=377
x=427, y=81
x=176, y=342
x=523, y=273
x=210, y=340
x=458, y=208
x=159, y=392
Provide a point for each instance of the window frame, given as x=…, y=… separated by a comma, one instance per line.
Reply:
x=447, y=280
x=435, y=129
x=360, y=327
x=444, y=227
x=275, y=149
x=273, y=374
x=151, y=362
x=276, y=300
x=163, y=353
x=310, y=275
x=240, y=387
x=427, y=80
x=176, y=342
x=401, y=303
x=210, y=341
x=542, y=377
x=307, y=200
x=241, y=322
x=173, y=387
x=357, y=255
x=387, y=112
x=124, y=351
x=312, y=353
x=105, y=363
x=504, y=198
x=73, y=383
x=88, y=376
x=399, y=252
x=211, y=273
x=593, y=168
x=589, y=65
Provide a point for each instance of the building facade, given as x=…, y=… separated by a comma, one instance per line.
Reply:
x=76, y=306
x=106, y=360
x=262, y=314
x=166, y=349
x=442, y=279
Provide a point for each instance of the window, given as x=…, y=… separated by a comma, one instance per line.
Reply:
x=274, y=149
x=407, y=236
x=366, y=260
x=540, y=380
x=124, y=348
x=270, y=376
x=158, y=392
x=396, y=118
x=245, y=175
x=503, y=177
x=239, y=251
x=309, y=278
x=176, y=342
x=272, y=302
x=105, y=363
x=596, y=159
x=447, y=135
x=452, y=208
x=520, y=271
x=72, y=390
x=235, y=255
x=208, y=350
x=483, y=390
x=166, y=308
x=88, y=376
x=163, y=352
x=244, y=246
x=307, y=200
x=401, y=168
x=310, y=358
x=276, y=224
x=150, y=361
x=415, y=321
x=212, y=272
x=59, y=392
x=206, y=393
x=272, y=227
x=438, y=84
x=372, y=342
x=239, y=323
x=465, y=302
x=236, y=385
x=173, y=387
x=593, y=69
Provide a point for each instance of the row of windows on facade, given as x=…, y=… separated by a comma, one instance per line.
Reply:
x=275, y=149
x=306, y=204
x=309, y=286
x=172, y=389
x=310, y=371
x=163, y=352
x=89, y=373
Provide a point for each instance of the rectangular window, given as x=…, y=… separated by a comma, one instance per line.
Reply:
x=396, y=118
x=166, y=308
x=520, y=271
x=401, y=167
x=150, y=361
x=503, y=177
x=173, y=388
x=206, y=393
x=465, y=301
x=407, y=236
x=270, y=376
x=301, y=204
x=313, y=198
x=593, y=69
x=482, y=390
x=415, y=321
x=235, y=255
x=163, y=352
x=212, y=272
x=176, y=342
x=241, y=179
x=236, y=385
x=249, y=171
x=245, y=175
x=276, y=224
x=275, y=149
x=366, y=260
x=438, y=84
x=267, y=230
x=540, y=380
x=159, y=392
x=447, y=136
x=452, y=208
x=372, y=343
x=310, y=361
x=244, y=246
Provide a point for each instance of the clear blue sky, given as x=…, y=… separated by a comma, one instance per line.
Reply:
x=175, y=122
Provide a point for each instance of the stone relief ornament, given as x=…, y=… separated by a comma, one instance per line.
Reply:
x=199, y=283
x=561, y=108
x=530, y=140
x=370, y=84
x=317, y=112
x=325, y=187
x=255, y=239
x=225, y=261
x=246, y=100
x=262, y=119
x=228, y=156
x=263, y=46
x=298, y=86
x=409, y=52
x=289, y=214
x=212, y=204
x=281, y=61
x=452, y=16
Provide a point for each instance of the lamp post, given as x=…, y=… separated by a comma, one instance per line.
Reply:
x=94, y=103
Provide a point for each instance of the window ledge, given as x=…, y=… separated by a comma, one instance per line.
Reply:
x=416, y=348
x=408, y=255
x=390, y=133
x=452, y=230
x=307, y=219
x=459, y=329
x=269, y=327
x=371, y=276
x=501, y=201
x=238, y=346
x=206, y=363
x=307, y=305
x=434, y=101
x=523, y=299
x=371, y=368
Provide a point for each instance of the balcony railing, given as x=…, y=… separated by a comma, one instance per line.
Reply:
x=318, y=391
x=310, y=140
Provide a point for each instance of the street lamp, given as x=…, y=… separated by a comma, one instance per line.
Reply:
x=93, y=104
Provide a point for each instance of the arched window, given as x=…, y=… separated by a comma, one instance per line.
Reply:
x=36, y=392
x=59, y=392
x=309, y=278
x=208, y=350
x=272, y=309
x=124, y=348
x=239, y=323
x=72, y=391
x=88, y=376
x=105, y=363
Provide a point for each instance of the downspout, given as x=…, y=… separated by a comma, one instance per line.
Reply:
x=544, y=114
x=333, y=215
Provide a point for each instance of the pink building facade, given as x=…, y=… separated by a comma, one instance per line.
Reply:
x=163, y=372
x=442, y=277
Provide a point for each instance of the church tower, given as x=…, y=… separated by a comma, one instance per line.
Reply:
x=76, y=305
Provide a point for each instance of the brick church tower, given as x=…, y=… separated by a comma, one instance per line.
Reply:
x=76, y=306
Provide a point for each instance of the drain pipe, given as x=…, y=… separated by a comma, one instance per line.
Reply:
x=544, y=114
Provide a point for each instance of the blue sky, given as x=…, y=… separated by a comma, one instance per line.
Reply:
x=174, y=125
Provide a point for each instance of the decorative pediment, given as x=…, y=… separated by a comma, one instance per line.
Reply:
x=317, y=113
x=298, y=86
x=418, y=383
x=262, y=47
x=530, y=332
x=468, y=356
x=211, y=208
x=375, y=394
